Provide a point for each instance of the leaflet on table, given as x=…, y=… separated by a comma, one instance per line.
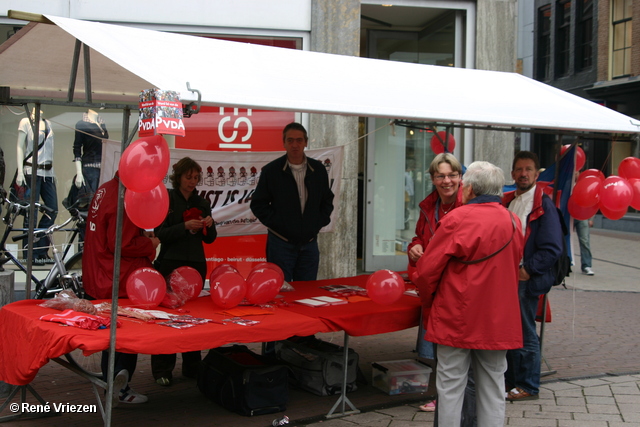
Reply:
x=321, y=301
x=345, y=290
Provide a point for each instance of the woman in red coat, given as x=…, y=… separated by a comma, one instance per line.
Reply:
x=470, y=282
x=446, y=175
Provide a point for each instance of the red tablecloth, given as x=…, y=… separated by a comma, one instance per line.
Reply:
x=356, y=319
x=27, y=343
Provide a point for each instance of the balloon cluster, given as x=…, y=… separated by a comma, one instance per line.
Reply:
x=385, y=287
x=142, y=167
x=229, y=288
x=612, y=195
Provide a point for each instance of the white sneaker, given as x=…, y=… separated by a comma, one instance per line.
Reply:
x=130, y=396
x=588, y=271
x=119, y=383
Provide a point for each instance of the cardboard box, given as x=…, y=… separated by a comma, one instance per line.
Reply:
x=401, y=376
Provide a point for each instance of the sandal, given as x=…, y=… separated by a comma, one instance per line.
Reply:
x=428, y=407
x=517, y=394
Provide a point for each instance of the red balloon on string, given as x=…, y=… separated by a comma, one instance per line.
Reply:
x=437, y=145
x=270, y=265
x=146, y=287
x=591, y=172
x=586, y=192
x=186, y=281
x=611, y=214
x=635, y=201
x=144, y=163
x=385, y=287
x=578, y=212
x=581, y=158
x=629, y=168
x=615, y=194
x=228, y=289
x=263, y=284
x=222, y=268
x=149, y=209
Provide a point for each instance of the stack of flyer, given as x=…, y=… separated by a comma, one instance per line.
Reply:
x=321, y=301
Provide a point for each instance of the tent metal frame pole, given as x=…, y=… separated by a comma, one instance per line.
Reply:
x=116, y=280
x=74, y=71
x=343, y=393
x=87, y=72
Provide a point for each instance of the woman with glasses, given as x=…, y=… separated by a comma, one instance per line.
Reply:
x=446, y=175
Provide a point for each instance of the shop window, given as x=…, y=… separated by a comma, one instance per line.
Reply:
x=544, y=43
x=621, y=33
x=563, y=37
x=584, y=34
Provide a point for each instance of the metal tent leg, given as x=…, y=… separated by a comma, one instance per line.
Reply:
x=343, y=399
x=549, y=371
x=19, y=411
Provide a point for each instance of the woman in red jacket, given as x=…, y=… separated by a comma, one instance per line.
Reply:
x=446, y=175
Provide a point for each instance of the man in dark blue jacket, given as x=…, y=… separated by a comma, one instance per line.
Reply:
x=543, y=246
x=294, y=201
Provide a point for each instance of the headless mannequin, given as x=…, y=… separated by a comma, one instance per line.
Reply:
x=45, y=187
x=93, y=118
x=21, y=146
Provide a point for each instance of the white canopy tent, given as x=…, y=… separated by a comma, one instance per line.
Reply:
x=36, y=63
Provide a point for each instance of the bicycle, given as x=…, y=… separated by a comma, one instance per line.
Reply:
x=63, y=275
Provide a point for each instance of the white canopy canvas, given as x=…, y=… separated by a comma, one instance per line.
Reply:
x=36, y=63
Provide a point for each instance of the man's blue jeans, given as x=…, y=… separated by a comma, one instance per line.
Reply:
x=45, y=190
x=582, y=230
x=524, y=363
x=298, y=262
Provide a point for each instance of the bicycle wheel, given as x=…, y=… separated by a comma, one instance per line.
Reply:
x=89, y=364
x=56, y=282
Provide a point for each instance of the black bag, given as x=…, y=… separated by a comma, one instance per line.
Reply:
x=243, y=382
x=562, y=267
x=317, y=366
x=18, y=193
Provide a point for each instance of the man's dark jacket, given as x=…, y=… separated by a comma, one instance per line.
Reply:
x=276, y=202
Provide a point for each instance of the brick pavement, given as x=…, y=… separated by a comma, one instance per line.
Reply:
x=592, y=342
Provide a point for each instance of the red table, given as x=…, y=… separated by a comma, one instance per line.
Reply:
x=27, y=343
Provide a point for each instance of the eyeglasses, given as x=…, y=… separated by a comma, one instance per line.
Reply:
x=451, y=176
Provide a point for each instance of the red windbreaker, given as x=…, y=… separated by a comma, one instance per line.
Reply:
x=99, y=244
x=473, y=306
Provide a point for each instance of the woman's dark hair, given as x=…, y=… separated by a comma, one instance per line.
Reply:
x=183, y=166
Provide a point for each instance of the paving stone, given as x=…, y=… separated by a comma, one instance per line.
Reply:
x=597, y=417
x=592, y=382
x=525, y=422
x=628, y=398
x=601, y=400
x=565, y=409
x=626, y=389
x=570, y=401
x=575, y=423
x=603, y=390
x=399, y=412
x=555, y=415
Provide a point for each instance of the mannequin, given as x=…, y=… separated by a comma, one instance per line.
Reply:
x=45, y=188
x=87, y=152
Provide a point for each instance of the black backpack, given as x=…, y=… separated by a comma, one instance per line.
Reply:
x=562, y=267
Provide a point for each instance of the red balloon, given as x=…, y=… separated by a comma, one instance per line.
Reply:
x=591, y=172
x=385, y=287
x=611, y=214
x=263, y=284
x=171, y=300
x=438, y=147
x=222, y=268
x=228, y=289
x=629, y=168
x=578, y=212
x=270, y=265
x=586, y=192
x=149, y=209
x=412, y=271
x=581, y=158
x=615, y=194
x=144, y=163
x=186, y=282
x=635, y=185
x=146, y=287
